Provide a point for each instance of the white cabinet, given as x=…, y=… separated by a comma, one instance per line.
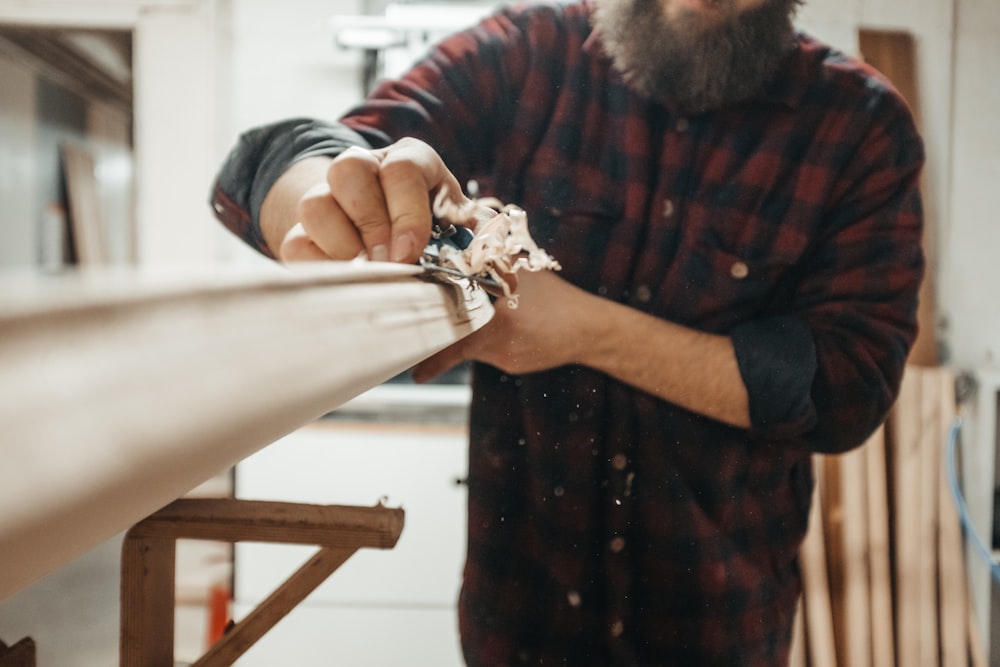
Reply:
x=380, y=608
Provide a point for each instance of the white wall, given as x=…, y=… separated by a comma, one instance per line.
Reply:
x=276, y=60
x=285, y=63
x=971, y=235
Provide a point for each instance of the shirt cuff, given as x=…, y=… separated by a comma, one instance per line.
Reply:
x=777, y=360
x=260, y=157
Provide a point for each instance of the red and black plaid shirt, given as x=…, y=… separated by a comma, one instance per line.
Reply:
x=608, y=527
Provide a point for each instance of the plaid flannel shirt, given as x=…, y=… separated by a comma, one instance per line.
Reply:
x=606, y=526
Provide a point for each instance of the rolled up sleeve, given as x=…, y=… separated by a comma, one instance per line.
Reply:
x=259, y=158
x=825, y=375
x=777, y=360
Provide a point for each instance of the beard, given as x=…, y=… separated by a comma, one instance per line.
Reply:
x=690, y=61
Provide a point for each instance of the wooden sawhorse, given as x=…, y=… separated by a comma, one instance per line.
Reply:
x=148, y=572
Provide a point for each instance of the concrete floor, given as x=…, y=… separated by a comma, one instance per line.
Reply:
x=72, y=614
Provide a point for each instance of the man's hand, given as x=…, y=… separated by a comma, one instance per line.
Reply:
x=539, y=334
x=557, y=323
x=375, y=202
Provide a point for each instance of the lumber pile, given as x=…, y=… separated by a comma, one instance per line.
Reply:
x=884, y=580
x=883, y=571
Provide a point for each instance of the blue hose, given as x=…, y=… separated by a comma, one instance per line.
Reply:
x=963, y=510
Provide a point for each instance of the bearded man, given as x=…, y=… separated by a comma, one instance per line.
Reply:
x=735, y=209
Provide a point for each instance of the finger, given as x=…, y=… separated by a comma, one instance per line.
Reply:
x=355, y=186
x=435, y=365
x=410, y=173
x=326, y=225
x=298, y=247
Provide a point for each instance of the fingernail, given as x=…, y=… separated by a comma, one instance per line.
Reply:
x=402, y=246
x=380, y=253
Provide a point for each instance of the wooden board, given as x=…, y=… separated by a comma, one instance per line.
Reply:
x=931, y=440
x=879, y=549
x=798, y=655
x=904, y=430
x=848, y=548
x=893, y=53
x=817, y=607
x=121, y=392
x=952, y=582
x=87, y=233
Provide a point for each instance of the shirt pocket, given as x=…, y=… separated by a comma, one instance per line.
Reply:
x=729, y=267
x=595, y=245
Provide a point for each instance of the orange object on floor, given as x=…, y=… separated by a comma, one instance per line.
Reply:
x=218, y=614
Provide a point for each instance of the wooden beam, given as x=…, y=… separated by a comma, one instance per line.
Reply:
x=264, y=616
x=880, y=550
x=232, y=520
x=119, y=393
x=54, y=51
x=817, y=603
x=893, y=53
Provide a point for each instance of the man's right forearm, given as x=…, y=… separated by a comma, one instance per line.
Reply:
x=278, y=213
x=259, y=159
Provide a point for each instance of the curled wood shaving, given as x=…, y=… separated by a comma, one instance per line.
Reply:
x=501, y=245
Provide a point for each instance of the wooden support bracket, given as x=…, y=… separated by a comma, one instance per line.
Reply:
x=148, y=576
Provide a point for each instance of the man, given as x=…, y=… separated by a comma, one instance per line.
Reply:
x=735, y=209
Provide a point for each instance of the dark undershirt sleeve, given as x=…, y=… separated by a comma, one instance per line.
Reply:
x=777, y=360
x=259, y=158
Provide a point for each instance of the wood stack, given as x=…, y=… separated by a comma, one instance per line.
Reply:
x=883, y=569
x=882, y=564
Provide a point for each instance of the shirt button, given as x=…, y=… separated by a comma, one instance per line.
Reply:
x=739, y=270
x=643, y=294
x=617, y=545
x=682, y=125
x=668, y=208
x=617, y=628
x=619, y=461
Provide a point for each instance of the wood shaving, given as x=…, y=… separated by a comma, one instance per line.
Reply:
x=501, y=244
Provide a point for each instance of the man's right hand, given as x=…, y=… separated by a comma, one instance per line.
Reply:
x=373, y=202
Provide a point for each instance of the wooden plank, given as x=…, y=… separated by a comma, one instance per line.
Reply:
x=248, y=631
x=879, y=540
x=904, y=439
x=833, y=533
x=87, y=233
x=799, y=653
x=856, y=608
x=112, y=403
x=952, y=582
x=147, y=602
x=233, y=520
x=819, y=632
x=931, y=434
x=977, y=647
x=893, y=53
